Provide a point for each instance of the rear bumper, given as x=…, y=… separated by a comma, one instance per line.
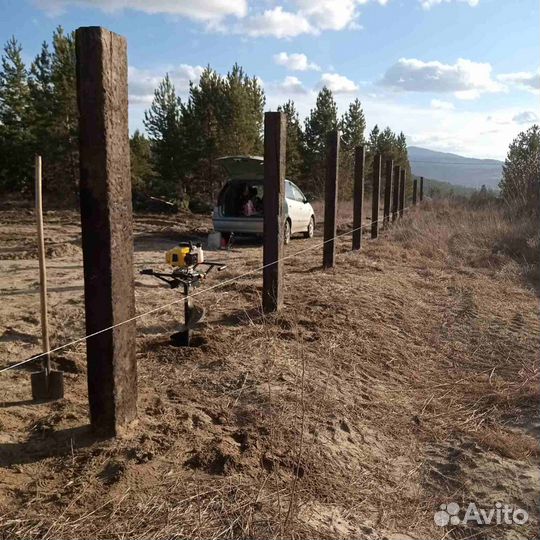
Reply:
x=248, y=225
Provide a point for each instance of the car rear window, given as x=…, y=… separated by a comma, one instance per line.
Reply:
x=235, y=194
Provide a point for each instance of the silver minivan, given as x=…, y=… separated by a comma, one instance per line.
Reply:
x=239, y=206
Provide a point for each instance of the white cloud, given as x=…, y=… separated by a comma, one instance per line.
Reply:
x=300, y=17
x=428, y=4
x=200, y=10
x=295, y=62
x=338, y=84
x=277, y=23
x=441, y=105
x=467, y=79
x=468, y=95
x=526, y=117
x=142, y=82
x=329, y=14
x=310, y=17
x=526, y=80
x=292, y=85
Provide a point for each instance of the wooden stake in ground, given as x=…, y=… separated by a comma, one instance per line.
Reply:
x=387, y=191
x=46, y=384
x=275, y=139
x=401, y=204
x=42, y=269
x=421, y=188
x=395, y=193
x=106, y=219
x=375, y=195
x=358, y=196
x=414, y=191
x=330, y=199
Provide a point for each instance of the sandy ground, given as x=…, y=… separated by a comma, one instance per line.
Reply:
x=405, y=379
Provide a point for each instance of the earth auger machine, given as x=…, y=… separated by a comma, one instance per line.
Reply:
x=189, y=271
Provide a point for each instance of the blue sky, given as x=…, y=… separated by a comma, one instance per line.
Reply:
x=455, y=75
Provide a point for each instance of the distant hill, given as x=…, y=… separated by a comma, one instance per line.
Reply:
x=459, y=170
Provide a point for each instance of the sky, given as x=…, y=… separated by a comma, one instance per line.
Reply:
x=457, y=76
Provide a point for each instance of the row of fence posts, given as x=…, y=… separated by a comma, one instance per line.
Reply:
x=395, y=187
x=107, y=223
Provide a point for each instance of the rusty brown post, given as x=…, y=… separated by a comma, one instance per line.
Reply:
x=330, y=199
x=358, y=196
x=387, y=191
x=275, y=137
x=421, y=188
x=106, y=220
x=395, y=192
x=414, y=191
x=375, y=195
x=401, y=204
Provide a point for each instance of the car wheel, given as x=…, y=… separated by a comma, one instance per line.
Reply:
x=311, y=228
x=287, y=232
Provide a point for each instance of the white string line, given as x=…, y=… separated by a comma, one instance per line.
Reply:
x=196, y=293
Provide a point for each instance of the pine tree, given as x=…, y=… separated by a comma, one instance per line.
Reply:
x=42, y=114
x=386, y=144
x=142, y=173
x=205, y=117
x=15, y=139
x=223, y=116
x=245, y=105
x=320, y=122
x=520, y=183
x=374, y=139
x=65, y=127
x=294, y=141
x=353, y=125
x=402, y=154
x=42, y=98
x=163, y=123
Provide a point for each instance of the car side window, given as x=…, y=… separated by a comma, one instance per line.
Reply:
x=298, y=195
x=289, y=192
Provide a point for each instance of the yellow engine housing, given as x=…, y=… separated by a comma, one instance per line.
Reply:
x=176, y=256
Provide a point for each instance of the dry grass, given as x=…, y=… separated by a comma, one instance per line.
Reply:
x=406, y=378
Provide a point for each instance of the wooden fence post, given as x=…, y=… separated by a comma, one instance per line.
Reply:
x=375, y=195
x=388, y=191
x=106, y=219
x=395, y=192
x=421, y=188
x=330, y=199
x=402, y=188
x=358, y=197
x=414, y=191
x=275, y=139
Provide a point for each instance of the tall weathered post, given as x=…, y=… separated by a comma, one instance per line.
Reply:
x=421, y=188
x=275, y=138
x=330, y=199
x=402, y=188
x=358, y=196
x=414, y=191
x=375, y=195
x=395, y=192
x=106, y=220
x=387, y=191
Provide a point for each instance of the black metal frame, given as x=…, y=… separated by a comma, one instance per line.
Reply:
x=187, y=277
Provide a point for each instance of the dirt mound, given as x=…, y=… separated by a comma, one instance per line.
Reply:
x=52, y=251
